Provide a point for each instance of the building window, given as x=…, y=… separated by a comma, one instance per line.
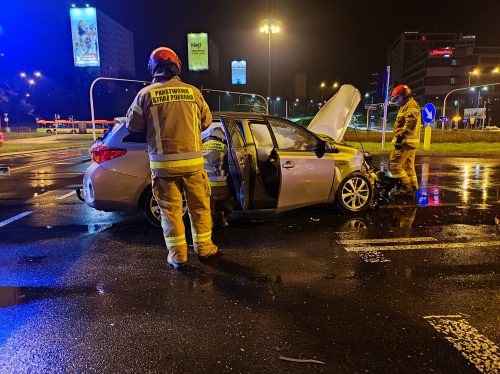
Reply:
x=453, y=80
x=456, y=62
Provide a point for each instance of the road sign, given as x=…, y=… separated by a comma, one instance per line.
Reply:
x=429, y=112
x=371, y=106
x=444, y=119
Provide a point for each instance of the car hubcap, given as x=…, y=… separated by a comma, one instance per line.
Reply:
x=355, y=193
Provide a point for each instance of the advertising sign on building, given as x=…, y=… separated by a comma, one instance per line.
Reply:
x=197, y=51
x=84, y=37
x=441, y=52
x=239, y=72
x=475, y=113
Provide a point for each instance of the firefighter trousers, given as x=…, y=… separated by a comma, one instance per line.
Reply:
x=168, y=192
x=402, y=165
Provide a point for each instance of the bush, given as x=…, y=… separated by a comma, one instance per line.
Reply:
x=438, y=136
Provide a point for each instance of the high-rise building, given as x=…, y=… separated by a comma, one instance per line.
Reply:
x=411, y=44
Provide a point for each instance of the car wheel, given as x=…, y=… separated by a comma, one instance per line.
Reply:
x=152, y=210
x=354, y=194
x=48, y=132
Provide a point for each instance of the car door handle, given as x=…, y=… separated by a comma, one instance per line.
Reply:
x=289, y=165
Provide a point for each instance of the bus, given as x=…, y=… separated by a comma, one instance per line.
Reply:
x=73, y=127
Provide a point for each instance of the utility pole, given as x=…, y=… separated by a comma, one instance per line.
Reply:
x=386, y=103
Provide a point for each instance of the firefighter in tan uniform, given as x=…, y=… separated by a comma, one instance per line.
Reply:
x=173, y=114
x=406, y=138
x=216, y=166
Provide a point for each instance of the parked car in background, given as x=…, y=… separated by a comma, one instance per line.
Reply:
x=273, y=163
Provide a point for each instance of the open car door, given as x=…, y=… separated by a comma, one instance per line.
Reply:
x=240, y=161
x=306, y=172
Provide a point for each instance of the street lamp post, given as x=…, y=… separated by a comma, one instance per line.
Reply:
x=270, y=26
x=322, y=86
x=475, y=72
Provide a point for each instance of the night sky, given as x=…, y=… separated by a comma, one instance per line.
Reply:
x=332, y=40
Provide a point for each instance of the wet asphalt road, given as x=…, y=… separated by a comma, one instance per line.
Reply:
x=406, y=288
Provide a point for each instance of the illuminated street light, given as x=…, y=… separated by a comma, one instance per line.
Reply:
x=37, y=74
x=270, y=26
x=496, y=70
x=367, y=95
x=278, y=98
x=73, y=5
x=22, y=75
x=27, y=95
x=485, y=88
x=475, y=72
x=297, y=99
x=87, y=5
x=323, y=84
x=336, y=85
x=31, y=82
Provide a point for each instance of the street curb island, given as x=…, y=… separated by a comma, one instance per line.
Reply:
x=40, y=151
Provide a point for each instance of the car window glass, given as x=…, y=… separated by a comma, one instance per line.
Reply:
x=261, y=135
x=263, y=145
x=292, y=137
x=236, y=137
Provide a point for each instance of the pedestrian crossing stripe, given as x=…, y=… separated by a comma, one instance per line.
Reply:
x=423, y=246
x=475, y=347
x=171, y=94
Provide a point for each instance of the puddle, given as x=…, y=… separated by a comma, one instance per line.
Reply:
x=10, y=296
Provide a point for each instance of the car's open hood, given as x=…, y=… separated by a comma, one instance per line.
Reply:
x=334, y=117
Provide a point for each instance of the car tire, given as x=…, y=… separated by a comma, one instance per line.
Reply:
x=354, y=193
x=150, y=208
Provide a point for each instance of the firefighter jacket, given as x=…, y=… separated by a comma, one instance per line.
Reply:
x=215, y=155
x=173, y=114
x=408, y=123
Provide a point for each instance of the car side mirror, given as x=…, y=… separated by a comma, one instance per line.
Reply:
x=320, y=149
x=331, y=148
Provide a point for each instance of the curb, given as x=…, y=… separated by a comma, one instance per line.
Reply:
x=442, y=154
x=39, y=151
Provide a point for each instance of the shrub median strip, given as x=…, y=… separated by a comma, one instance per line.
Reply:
x=450, y=148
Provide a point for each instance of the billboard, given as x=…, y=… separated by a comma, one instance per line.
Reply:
x=84, y=36
x=197, y=51
x=239, y=72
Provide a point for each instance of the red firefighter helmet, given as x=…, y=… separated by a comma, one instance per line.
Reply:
x=401, y=91
x=163, y=54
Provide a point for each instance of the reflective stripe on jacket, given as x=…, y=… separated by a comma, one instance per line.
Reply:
x=173, y=114
x=408, y=123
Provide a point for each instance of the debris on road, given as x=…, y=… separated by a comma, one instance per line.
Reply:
x=302, y=361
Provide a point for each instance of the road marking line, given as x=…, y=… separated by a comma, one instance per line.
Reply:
x=373, y=257
x=478, y=349
x=387, y=240
x=422, y=246
x=15, y=218
x=66, y=195
x=46, y=163
x=445, y=316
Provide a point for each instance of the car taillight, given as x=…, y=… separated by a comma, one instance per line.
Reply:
x=102, y=153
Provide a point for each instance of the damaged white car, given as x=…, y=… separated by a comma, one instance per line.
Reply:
x=272, y=163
